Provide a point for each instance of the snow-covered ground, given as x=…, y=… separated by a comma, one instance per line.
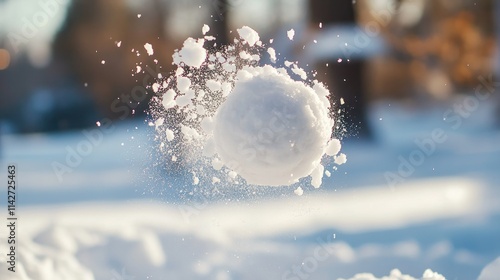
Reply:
x=119, y=215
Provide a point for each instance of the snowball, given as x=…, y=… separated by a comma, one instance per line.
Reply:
x=290, y=33
x=342, y=101
x=138, y=69
x=205, y=29
x=328, y=173
x=271, y=130
x=149, y=48
x=249, y=35
x=192, y=53
x=491, y=271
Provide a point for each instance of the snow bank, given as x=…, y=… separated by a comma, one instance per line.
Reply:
x=397, y=275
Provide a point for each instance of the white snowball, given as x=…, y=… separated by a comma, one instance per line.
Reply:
x=491, y=271
x=290, y=33
x=271, y=130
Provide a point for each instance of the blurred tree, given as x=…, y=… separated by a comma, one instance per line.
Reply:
x=344, y=79
x=102, y=42
x=220, y=21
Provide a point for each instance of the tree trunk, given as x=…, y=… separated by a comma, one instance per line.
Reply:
x=345, y=79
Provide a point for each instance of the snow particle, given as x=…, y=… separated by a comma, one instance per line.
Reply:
x=298, y=191
x=205, y=29
x=290, y=33
x=149, y=48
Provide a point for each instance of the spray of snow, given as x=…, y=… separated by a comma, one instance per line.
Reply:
x=149, y=48
x=234, y=121
x=397, y=275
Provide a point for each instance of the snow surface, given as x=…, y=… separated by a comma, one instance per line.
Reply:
x=94, y=224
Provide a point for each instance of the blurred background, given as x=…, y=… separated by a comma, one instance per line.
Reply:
x=75, y=83
x=61, y=66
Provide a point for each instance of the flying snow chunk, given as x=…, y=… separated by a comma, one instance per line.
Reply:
x=271, y=129
x=290, y=33
x=272, y=54
x=299, y=191
x=149, y=48
x=249, y=35
x=168, y=99
x=205, y=29
x=340, y=159
x=156, y=87
x=183, y=84
x=317, y=176
x=333, y=147
x=192, y=53
x=170, y=135
x=299, y=71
